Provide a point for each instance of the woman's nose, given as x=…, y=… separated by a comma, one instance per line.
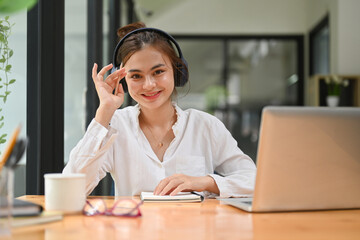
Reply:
x=149, y=83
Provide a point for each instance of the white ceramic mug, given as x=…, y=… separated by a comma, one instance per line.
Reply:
x=65, y=192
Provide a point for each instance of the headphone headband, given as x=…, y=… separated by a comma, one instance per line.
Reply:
x=168, y=36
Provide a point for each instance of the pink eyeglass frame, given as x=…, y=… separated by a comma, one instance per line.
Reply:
x=109, y=211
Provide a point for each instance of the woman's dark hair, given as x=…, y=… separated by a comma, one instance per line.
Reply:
x=139, y=40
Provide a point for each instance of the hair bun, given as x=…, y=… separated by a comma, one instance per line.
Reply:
x=121, y=32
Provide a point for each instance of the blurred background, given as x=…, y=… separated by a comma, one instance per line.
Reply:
x=242, y=56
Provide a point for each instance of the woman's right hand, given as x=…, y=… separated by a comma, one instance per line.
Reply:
x=109, y=101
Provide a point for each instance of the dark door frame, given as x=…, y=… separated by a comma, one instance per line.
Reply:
x=299, y=39
x=45, y=92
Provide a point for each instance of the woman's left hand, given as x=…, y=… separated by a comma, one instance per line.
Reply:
x=183, y=183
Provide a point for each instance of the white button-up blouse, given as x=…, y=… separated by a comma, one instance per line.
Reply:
x=202, y=146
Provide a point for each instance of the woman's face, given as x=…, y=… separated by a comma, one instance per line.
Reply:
x=150, y=78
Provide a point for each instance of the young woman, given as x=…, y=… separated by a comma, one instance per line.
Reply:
x=155, y=145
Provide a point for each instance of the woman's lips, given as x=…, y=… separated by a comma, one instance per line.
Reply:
x=152, y=95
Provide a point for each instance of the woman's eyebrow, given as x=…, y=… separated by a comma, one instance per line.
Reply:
x=158, y=65
x=154, y=67
x=133, y=70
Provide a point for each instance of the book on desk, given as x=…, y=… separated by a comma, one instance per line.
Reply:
x=26, y=213
x=19, y=208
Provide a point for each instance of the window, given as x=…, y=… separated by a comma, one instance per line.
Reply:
x=319, y=48
x=14, y=110
x=235, y=77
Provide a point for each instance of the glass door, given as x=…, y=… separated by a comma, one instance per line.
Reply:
x=234, y=78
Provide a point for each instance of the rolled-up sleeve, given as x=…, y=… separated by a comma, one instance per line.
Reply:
x=235, y=171
x=92, y=154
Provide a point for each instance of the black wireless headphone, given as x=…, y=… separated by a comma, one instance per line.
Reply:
x=181, y=74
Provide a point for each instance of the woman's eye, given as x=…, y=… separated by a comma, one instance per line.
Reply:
x=158, y=72
x=135, y=76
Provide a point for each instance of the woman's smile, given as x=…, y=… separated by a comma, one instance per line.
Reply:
x=151, y=95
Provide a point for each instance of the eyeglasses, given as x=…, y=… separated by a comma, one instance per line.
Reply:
x=123, y=207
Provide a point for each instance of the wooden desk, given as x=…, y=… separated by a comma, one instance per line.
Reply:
x=207, y=220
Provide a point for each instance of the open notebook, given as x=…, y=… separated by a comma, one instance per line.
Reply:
x=308, y=159
x=180, y=197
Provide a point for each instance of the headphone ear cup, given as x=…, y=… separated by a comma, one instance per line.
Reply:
x=124, y=85
x=181, y=74
x=122, y=81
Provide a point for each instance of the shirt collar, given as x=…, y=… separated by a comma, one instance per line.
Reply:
x=135, y=120
x=177, y=127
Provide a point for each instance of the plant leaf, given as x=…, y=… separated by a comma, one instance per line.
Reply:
x=16, y=5
x=8, y=68
x=12, y=81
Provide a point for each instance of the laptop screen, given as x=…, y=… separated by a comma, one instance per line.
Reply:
x=308, y=158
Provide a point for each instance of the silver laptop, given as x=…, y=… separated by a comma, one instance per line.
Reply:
x=308, y=159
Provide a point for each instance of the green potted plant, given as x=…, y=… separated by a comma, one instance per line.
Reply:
x=215, y=97
x=334, y=84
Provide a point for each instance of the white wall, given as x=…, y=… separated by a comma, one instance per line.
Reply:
x=232, y=17
x=344, y=32
x=348, y=37
x=268, y=17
